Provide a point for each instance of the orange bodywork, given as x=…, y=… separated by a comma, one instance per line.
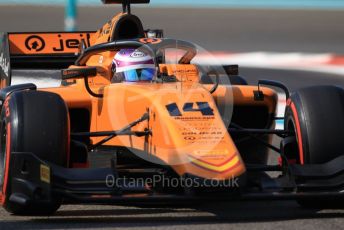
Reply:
x=189, y=142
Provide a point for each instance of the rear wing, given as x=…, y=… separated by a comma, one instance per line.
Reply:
x=43, y=50
x=46, y=50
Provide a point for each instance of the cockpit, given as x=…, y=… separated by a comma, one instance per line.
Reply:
x=149, y=60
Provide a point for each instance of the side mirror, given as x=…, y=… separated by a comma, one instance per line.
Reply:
x=82, y=73
x=78, y=73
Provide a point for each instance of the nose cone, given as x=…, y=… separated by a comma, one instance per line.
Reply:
x=188, y=133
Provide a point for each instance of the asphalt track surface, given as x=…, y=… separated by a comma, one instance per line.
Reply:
x=238, y=30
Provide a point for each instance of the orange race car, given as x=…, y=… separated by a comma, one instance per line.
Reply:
x=139, y=117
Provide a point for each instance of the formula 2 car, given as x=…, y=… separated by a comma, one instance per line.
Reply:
x=139, y=117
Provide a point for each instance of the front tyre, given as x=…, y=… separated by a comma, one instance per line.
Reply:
x=315, y=116
x=35, y=122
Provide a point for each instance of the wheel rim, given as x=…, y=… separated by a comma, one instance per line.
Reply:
x=3, y=137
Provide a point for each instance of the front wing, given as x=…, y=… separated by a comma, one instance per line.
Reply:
x=33, y=180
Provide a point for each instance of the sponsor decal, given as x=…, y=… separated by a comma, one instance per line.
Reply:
x=35, y=42
x=68, y=43
x=101, y=60
x=202, y=107
x=44, y=43
x=184, y=71
x=70, y=73
x=138, y=54
x=150, y=40
x=213, y=154
x=45, y=173
x=189, y=138
x=4, y=64
x=107, y=28
x=72, y=43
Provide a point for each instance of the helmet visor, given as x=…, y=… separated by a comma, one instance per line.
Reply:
x=136, y=75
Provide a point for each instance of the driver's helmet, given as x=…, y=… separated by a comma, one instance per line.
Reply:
x=133, y=65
